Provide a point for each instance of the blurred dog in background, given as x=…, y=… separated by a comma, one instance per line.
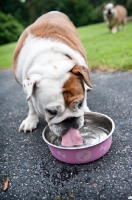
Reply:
x=114, y=16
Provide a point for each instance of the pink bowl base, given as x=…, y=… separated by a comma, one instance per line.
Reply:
x=84, y=155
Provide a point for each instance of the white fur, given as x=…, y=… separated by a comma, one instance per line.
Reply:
x=51, y=98
x=47, y=65
x=45, y=49
x=114, y=30
x=109, y=6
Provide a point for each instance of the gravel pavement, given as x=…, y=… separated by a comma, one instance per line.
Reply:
x=34, y=174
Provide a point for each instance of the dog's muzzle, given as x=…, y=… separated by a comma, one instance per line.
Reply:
x=62, y=128
x=109, y=14
x=68, y=123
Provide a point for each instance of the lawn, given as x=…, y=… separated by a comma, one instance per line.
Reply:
x=6, y=55
x=105, y=51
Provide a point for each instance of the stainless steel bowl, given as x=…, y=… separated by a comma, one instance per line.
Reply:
x=97, y=134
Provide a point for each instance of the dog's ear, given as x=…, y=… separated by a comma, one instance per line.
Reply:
x=83, y=71
x=28, y=84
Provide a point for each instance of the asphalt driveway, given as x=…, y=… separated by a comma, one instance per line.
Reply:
x=34, y=174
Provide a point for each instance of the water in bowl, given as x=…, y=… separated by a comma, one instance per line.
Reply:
x=92, y=135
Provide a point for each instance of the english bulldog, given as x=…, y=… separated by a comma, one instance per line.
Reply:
x=114, y=16
x=50, y=64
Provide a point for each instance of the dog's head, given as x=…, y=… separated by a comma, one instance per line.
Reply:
x=109, y=11
x=61, y=101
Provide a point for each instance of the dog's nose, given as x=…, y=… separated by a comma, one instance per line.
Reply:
x=109, y=11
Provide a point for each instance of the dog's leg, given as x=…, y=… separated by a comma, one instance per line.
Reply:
x=124, y=23
x=114, y=29
x=31, y=121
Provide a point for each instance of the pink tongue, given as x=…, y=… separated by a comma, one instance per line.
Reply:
x=71, y=138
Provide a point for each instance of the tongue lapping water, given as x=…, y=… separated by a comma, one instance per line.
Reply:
x=91, y=135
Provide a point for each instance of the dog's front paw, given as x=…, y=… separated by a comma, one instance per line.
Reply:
x=29, y=124
x=114, y=30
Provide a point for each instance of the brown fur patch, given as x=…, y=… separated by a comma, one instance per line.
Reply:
x=73, y=90
x=57, y=26
x=83, y=71
x=122, y=13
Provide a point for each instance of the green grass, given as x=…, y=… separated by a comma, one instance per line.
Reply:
x=6, y=55
x=105, y=51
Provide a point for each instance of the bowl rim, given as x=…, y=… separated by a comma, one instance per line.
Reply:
x=81, y=147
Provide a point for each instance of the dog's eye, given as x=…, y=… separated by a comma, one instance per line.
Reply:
x=52, y=112
x=80, y=104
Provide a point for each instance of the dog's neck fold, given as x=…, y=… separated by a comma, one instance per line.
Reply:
x=53, y=65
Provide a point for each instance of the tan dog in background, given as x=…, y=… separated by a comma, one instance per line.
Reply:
x=114, y=16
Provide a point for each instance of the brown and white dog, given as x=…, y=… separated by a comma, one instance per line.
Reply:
x=114, y=16
x=51, y=65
